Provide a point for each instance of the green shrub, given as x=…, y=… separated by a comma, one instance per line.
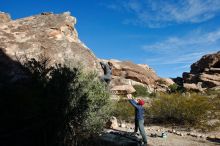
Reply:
x=63, y=103
x=123, y=110
x=175, y=88
x=214, y=97
x=140, y=91
x=175, y=108
x=160, y=81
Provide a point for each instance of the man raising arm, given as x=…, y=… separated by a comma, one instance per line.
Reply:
x=139, y=117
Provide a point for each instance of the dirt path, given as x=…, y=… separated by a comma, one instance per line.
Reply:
x=173, y=139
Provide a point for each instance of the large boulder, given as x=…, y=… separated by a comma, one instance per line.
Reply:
x=167, y=81
x=192, y=87
x=50, y=35
x=128, y=73
x=205, y=72
x=123, y=89
x=129, y=70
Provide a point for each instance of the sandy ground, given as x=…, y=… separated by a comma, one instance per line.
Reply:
x=176, y=140
x=173, y=139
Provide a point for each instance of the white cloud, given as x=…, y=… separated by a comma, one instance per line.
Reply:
x=176, y=59
x=198, y=39
x=157, y=13
x=183, y=50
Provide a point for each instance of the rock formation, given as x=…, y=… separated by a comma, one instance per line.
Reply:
x=54, y=36
x=204, y=73
x=126, y=74
x=122, y=89
x=50, y=35
x=4, y=17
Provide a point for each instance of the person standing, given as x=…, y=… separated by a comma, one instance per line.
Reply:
x=139, y=117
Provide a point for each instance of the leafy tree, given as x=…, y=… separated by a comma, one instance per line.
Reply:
x=64, y=104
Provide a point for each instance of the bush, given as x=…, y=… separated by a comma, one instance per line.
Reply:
x=123, y=110
x=141, y=91
x=59, y=103
x=160, y=81
x=178, y=109
x=175, y=88
x=214, y=96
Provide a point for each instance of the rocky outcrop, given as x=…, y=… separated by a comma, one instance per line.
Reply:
x=50, y=35
x=205, y=73
x=4, y=17
x=123, y=89
x=126, y=74
x=54, y=36
x=166, y=81
x=192, y=87
x=206, y=63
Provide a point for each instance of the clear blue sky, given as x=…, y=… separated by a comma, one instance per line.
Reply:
x=167, y=35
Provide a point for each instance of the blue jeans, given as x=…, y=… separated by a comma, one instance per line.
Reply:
x=139, y=124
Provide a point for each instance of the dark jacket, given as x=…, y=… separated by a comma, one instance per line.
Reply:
x=106, y=68
x=139, y=110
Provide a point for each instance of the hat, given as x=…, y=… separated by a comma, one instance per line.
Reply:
x=141, y=102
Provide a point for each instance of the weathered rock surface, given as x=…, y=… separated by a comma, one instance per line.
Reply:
x=4, y=17
x=167, y=81
x=125, y=73
x=206, y=62
x=123, y=89
x=50, y=35
x=192, y=87
x=204, y=73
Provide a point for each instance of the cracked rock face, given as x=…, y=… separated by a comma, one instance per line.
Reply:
x=50, y=35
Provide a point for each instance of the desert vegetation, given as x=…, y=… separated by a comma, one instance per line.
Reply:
x=178, y=108
x=191, y=110
x=140, y=91
x=55, y=105
x=123, y=110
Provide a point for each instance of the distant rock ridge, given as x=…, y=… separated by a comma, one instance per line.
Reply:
x=205, y=73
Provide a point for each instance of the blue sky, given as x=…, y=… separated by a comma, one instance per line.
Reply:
x=167, y=35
